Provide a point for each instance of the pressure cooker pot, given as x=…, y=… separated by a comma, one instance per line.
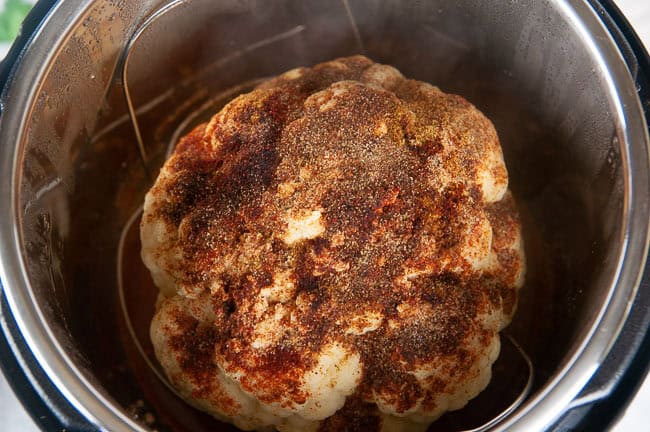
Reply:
x=565, y=82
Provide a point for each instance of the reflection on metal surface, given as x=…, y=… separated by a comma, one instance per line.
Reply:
x=128, y=311
x=126, y=57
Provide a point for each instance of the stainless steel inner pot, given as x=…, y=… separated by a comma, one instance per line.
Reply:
x=547, y=73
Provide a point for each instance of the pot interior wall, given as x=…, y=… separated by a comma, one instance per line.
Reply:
x=523, y=64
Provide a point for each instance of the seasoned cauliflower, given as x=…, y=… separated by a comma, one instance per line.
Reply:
x=336, y=249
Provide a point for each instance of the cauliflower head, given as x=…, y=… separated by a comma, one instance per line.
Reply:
x=336, y=249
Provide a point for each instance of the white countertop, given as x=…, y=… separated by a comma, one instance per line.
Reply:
x=637, y=415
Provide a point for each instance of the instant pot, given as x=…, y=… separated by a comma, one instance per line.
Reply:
x=566, y=83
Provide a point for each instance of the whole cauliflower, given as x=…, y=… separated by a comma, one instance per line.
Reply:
x=336, y=249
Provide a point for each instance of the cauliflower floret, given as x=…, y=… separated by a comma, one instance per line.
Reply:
x=336, y=250
x=184, y=345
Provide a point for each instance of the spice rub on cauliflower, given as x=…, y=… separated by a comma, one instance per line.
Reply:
x=336, y=249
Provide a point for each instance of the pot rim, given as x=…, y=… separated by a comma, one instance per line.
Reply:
x=16, y=99
x=537, y=413
x=557, y=396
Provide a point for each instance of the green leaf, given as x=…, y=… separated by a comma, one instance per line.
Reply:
x=11, y=18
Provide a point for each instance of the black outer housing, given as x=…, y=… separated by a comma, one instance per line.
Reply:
x=621, y=374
